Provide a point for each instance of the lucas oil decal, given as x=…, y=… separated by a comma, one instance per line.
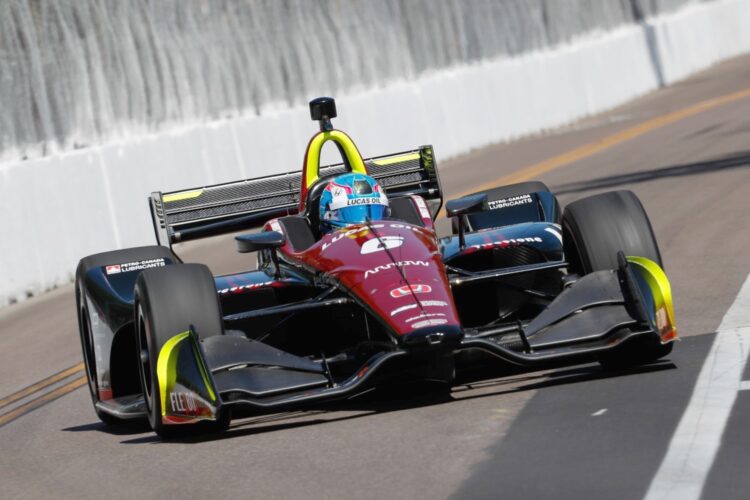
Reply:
x=135, y=266
x=407, y=290
x=360, y=231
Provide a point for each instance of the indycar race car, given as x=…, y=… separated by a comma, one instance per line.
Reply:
x=327, y=316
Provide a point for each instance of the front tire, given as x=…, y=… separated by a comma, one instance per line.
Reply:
x=597, y=227
x=594, y=230
x=168, y=301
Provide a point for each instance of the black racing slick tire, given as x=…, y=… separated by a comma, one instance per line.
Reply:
x=594, y=230
x=170, y=300
x=597, y=227
x=88, y=346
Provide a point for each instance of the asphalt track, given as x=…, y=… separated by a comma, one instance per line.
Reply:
x=570, y=433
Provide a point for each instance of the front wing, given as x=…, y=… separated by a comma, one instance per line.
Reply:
x=600, y=313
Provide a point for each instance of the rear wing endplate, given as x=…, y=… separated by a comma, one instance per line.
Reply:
x=222, y=208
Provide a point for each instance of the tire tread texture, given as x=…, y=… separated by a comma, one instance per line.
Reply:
x=599, y=226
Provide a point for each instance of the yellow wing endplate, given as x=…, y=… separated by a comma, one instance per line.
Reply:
x=661, y=294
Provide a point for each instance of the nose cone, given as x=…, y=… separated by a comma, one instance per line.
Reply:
x=441, y=336
x=395, y=270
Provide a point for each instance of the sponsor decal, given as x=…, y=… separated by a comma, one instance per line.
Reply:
x=135, y=266
x=378, y=244
x=402, y=309
x=422, y=316
x=183, y=402
x=244, y=288
x=507, y=243
x=433, y=303
x=401, y=263
x=362, y=201
x=407, y=290
x=513, y=201
x=350, y=233
x=662, y=322
x=422, y=207
x=363, y=230
x=339, y=202
x=429, y=322
x=404, y=226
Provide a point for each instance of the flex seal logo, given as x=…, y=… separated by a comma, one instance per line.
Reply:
x=407, y=290
x=378, y=244
x=134, y=266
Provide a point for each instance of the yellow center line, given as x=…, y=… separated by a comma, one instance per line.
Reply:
x=590, y=149
x=27, y=391
x=41, y=400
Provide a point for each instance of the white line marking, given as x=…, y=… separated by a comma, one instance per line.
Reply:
x=697, y=438
x=745, y=385
x=600, y=412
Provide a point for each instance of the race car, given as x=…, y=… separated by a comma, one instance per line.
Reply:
x=329, y=314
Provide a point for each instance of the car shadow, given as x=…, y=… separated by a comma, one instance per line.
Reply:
x=397, y=398
x=737, y=160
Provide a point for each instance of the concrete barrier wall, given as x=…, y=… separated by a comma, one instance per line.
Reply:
x=59, y=209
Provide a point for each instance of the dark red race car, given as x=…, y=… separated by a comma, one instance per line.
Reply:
x=328, y=316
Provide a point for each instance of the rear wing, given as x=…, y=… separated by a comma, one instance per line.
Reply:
x=196, y=213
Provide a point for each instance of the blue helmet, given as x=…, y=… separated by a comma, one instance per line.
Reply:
x=351, y=199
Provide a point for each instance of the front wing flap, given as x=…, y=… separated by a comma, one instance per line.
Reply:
x=599, y=312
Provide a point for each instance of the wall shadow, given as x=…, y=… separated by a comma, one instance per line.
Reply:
x=733, y=161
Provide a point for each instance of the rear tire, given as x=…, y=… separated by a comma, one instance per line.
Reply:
x=594, y=230
x=170, y=300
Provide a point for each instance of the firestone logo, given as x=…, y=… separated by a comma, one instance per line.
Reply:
x=507, y=243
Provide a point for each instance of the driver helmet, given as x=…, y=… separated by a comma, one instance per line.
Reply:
x=351, y=199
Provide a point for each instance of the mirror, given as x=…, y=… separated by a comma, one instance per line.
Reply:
x=466, y=205
x=259, y=241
